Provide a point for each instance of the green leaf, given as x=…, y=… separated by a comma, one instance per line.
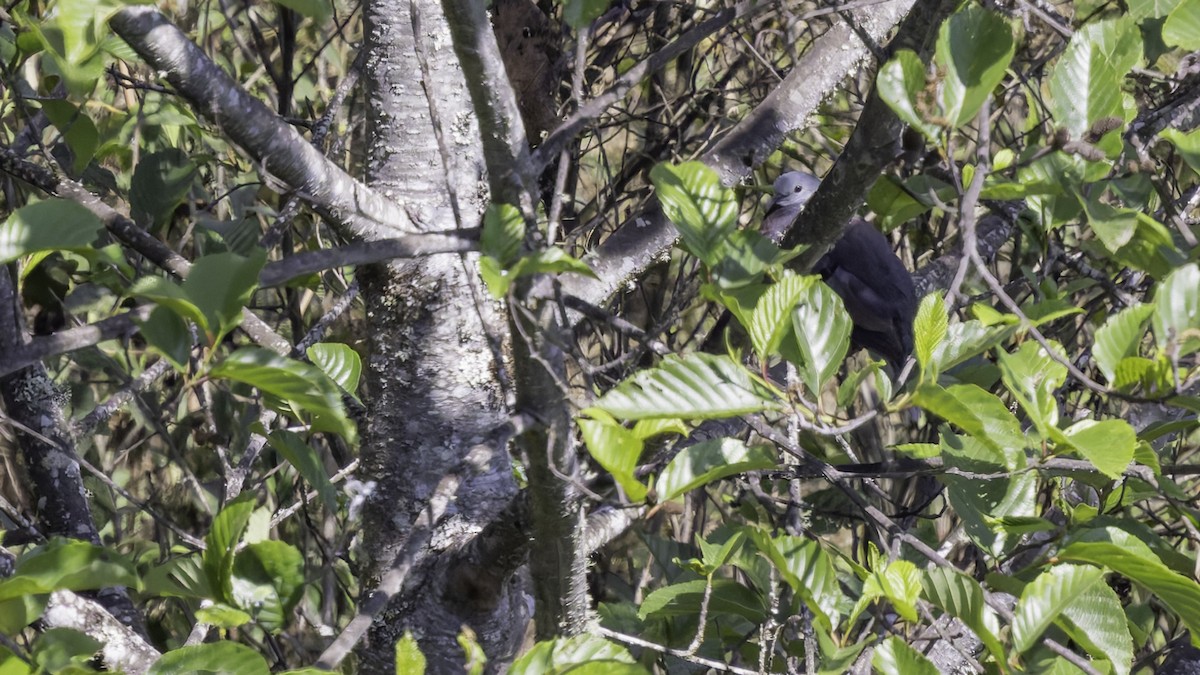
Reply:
x=503, y=233
x=552, y=260
x=171, y=296
x=1121, y=552
x=581, y=13
x=1177, y=310
x=683, y=599
x=57, y=650
x=1182, y=27
x=894, y=657
x=169, y=334
x=579, y=655
x=962, y=597
x=307, y=462
x=617, y=449
x=929, y=329
x=901, y=84
x=213, y=658
x=305, y=387
x=223, y=616
x=975, y=47
x=1046, y=597
x=1032, y=377
x=743, y=257
x=409, y=659
x=341, y=363
x=696, y=386
x=1086, y=82
x=808, y=569
x=1096, y=619
x=1150, y=9
x=708, y=461
x=772, y=316
x=899, y=581
x=267, y=579
x=1108, y=444
x=160, y=183
x=823, y=334
x=1120, y=337
x=1186, y=144
x=219, y=545
x=49, y=225
x=896, y=202
x=704, y=212
x=966, y=340
x=980, y=414
x=220, y=286
x=67, y=564
x=77, y=129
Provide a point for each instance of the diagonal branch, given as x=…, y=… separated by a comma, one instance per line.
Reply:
x=273, y=143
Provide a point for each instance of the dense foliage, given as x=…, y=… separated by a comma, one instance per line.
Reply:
x=191, y=431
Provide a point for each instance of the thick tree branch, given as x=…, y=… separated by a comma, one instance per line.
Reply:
x=275, y=145
x=638, y=243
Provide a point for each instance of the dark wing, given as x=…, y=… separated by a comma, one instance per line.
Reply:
x=777, y=219
x=876, y=288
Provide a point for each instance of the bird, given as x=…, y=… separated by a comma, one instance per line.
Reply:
x=861, y=268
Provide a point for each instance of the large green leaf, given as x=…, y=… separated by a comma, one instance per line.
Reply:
x=1107, y=444
x=1177, y=310
x=213, y=658
x=1046, y=597
x=1096, y=619
x=901, y=84
x=305, y=387
x=772, y=317
x=700, y=464
x=1086, y=82
x=696, y=386
x=50, y=225
x=823, y=334
x=962, y=597
x=975, y=47
x=77, y=129
x=63, y=650
x=809, y=571
x=341, y=363
x=1120, y=337
x=307, y=462
x=1032, y=376
x=894, y=657
x=67, y=564
x=580, y=13
x=1125, y=554
x=581, y=655
x=684, y=599
x=966, y=340
x=1182, y=27
x=267, y=579
x=160, y=182
x=220, y=543
x=980, y=414
x=704, y=212
x=929, y=329
x=617, y=449
x=220, y=286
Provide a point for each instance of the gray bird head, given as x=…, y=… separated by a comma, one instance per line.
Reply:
x=793, y=189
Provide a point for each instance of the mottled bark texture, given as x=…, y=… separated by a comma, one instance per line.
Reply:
x=34, y=404
x=436, y=435
x=557, y=562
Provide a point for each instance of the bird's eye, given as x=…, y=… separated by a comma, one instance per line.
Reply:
x=799, y=188
x=527, y=32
